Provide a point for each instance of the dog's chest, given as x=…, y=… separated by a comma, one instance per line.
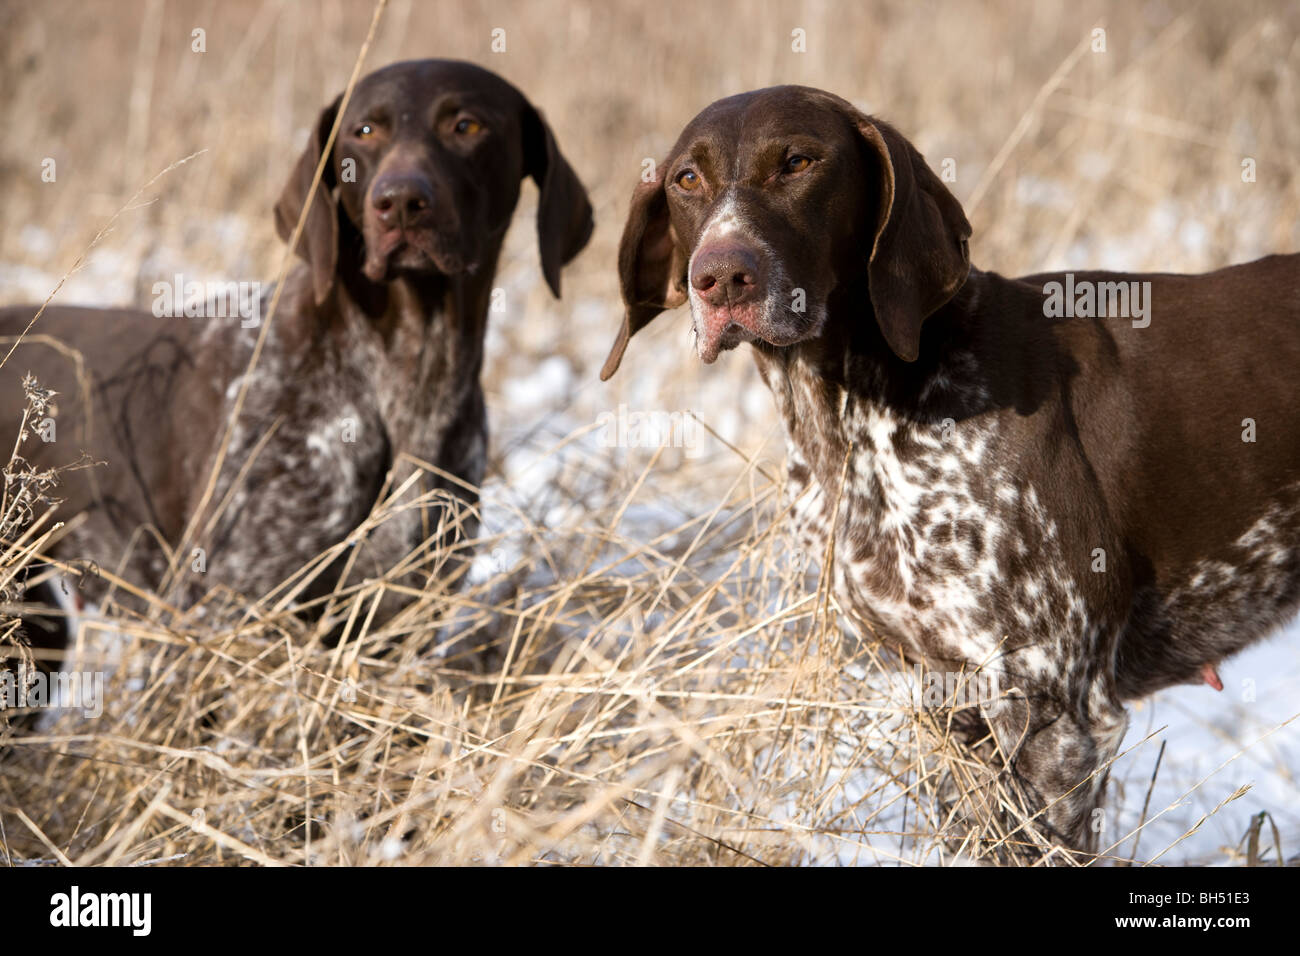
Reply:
x=358, y=406
x=939, y=543
x=430, y=410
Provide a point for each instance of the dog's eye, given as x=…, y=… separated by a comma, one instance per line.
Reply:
x=468, y=127
x=797, y=164
x=689, y=180
x=364, y=131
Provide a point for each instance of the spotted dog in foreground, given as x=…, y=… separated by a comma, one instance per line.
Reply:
x=371, y=364
x=1015, y=483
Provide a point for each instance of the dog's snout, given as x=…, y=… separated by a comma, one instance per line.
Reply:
x=726, y=272
x=400, y=199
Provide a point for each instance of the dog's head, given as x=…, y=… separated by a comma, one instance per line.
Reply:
x=425, y=174
x=773, y=201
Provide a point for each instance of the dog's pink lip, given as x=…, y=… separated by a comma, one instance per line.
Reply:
x=717, y=321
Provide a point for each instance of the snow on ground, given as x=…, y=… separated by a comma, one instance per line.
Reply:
x=1206, y=734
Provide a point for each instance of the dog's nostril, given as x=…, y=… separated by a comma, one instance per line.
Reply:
x=403, y=198
x=726, y=269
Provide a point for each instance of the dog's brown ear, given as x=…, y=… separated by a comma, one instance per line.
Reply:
x=651, y=266
x=564, y=220
x=319, y=242
x=920, y=256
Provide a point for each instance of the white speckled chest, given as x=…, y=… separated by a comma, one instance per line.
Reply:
x=940, y=545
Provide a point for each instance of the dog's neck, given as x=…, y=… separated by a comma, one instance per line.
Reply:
x=414, y=342
x=447, y=312
x=966, y=368
x=882, y=453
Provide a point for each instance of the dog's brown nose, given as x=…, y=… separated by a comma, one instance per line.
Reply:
x=401, y=199
x=726, y=272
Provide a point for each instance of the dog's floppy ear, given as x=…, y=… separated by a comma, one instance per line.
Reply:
x=920, y=256
x=564, y=220
x=651, y=266
x=319, y=242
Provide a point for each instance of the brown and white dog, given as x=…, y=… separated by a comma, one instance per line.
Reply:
x=1091, y=507
x=372, y=361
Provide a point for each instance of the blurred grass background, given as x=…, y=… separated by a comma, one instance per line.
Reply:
x=1065, y=157
x=1132, y=162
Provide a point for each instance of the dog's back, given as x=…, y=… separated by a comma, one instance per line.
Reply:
x=129, y=406
x=1183, y=395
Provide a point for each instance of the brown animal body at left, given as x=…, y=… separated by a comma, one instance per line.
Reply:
x=372, y=359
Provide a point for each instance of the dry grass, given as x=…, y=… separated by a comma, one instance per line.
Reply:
x=686, y=699
x=640, y=669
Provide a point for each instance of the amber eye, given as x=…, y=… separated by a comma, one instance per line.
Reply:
x=364, y=131
x=468, y=127
x=797, y=164
x=689, y=180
